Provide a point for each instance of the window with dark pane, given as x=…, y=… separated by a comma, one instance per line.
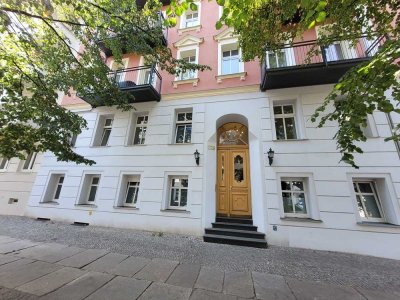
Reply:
x=94, y=184
x=178, y=192
x=183, y=131
x=140, y=130
x=58, y=188
x=368, y=202
x=132, y=192
x=285, y=124
x=106, y=131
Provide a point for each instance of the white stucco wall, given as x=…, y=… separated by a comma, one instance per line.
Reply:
x=314, y=155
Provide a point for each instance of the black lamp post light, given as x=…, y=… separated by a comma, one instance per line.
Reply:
x=271, y=156
x=197, y=157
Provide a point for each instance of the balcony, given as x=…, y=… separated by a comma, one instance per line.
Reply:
x=291, y=66
x=144, y=83
x=152, y=28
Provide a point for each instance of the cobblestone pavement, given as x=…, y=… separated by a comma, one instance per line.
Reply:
x=33, y=270
x=289, y=265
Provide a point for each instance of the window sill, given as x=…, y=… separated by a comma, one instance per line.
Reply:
x=49, y=203
x=180, y=144
x=294, y=219
x=193, y=81
x=136, y=145
x=293, y=140
x=100, y=146
x=179, y=211
x=186, y=29
x=377, y=224
x=86, y=205
x=126, y=207
x=27, y=171
x=241, y=75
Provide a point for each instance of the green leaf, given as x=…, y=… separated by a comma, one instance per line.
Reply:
x=221, y=2
x=193, y=7
x=218, y=25
x=311, y=25
x=321, y=17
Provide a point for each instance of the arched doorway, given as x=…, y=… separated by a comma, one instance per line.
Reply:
x=233, y=175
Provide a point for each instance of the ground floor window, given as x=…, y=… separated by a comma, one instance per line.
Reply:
x=178, y=193
x=132, y=191
x=3, y=163
x=294, y=197
x=58, y=188
x=94, y=185
x=368, y=202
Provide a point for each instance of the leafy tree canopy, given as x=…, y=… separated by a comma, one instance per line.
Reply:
x=38, y=58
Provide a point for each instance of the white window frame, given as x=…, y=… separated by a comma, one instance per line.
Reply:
x=374, y=193
x=184, y=123
x=125, y=62
x=183, y=22
x=58, y=185
x=222, y=44
x=305, y=192
x=86, y=183
x=99, y=129
x=136, y=193
x=30, y=159
x=181, y=54
x=310, y=195
x=140, y=80
x=91, y=184
x=284, y=116
x=5, y=162
x=170, y=188
x=141, y=125
x=289, y=57
x=124, y=178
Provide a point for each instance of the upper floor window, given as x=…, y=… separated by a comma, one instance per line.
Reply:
x=3, y=163
x=183, y=132
x=106, y=131
x=30, y=161
x=140, y=130
x=368, y=202
x=285, y=124
x=230, y=61
x=192, y=19
x=189, y=56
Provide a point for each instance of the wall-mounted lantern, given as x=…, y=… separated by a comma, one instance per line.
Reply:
x=271, y=156
x=197, y=157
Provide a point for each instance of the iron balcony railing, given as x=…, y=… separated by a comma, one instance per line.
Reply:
x=298, y=54
x=136, y=77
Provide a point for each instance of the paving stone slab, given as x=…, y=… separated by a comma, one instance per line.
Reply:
x=210, y=295
x=83, y=258
x=314, y=290
x=379, y=294
x=7, y=239
x=4, y=269
x=9, y=294
x=129, y=266
x=25, y=273
x=5, y=259
x=106, y=262
x=268, y=286
x=81, y=287
x=51, y=282
x=239, y=284
x=61, y=254
x=15, y=246
x=41, y=250
x=120, y=288
x=184, y=275
x=210, y=279
x=163, y=291
x=157, y=270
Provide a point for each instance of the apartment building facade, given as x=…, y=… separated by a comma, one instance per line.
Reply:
x=202, y=148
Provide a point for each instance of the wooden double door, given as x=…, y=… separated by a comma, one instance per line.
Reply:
x=233, y=181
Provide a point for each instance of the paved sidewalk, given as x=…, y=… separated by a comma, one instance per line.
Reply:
x=32, y=270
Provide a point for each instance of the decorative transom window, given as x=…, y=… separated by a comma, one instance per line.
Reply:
x=230, y=61
x=178, y=192
x=58, y=188
x=285, y=124
x=132, y=191
x=105, y=136
x=93, y=187
x=191, y=19
x=30, y=161
x=140, y=130
x=3, y=163
x=294, y=197
x=368, y=202
x=190, y=57
x=233, y=134
x=183, y=132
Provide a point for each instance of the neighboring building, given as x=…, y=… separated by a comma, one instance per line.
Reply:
x=16, y=181
x=147, y=178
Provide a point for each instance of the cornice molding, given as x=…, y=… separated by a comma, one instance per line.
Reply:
x=188, y=40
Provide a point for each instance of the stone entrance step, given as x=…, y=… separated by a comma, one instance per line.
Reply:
x=235, y=231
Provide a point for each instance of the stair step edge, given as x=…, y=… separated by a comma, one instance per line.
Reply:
x=237, y=238
x=237, y=231
x=234, y=224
